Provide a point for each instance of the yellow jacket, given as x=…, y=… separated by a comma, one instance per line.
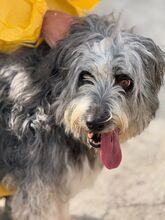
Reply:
x=21, y=20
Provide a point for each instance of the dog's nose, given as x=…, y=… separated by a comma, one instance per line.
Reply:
x=97, y=124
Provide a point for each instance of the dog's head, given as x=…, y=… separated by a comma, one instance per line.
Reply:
x=106, y=84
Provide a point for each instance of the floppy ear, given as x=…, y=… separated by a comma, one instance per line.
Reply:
x=154, y=62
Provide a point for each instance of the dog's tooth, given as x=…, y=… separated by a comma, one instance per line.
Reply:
x=90, y=141
x=90, y=135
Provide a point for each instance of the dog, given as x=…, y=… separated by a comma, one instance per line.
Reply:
x=64, y=112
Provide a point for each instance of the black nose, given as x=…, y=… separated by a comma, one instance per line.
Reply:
x=97, y=124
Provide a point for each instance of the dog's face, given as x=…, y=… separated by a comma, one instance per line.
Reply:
x=109, y=82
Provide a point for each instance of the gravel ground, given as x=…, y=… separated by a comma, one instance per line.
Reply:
x=136, y=190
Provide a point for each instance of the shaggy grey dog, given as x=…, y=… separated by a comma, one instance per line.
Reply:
x=64, y=110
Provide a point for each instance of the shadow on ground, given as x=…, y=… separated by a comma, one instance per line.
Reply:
x=85, y=217
x=4, y=215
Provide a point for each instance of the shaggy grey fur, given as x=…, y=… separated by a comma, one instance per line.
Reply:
x=44, y=93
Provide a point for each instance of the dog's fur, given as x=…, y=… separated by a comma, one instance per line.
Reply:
x=45, y=99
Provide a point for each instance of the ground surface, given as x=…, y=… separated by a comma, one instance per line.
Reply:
x=136, y=190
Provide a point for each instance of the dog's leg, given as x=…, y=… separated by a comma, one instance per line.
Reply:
x=38, y=202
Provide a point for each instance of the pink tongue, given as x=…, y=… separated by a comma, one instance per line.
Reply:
x=110, y=152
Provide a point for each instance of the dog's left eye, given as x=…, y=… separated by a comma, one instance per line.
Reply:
x=124, y=81
x=85, y=78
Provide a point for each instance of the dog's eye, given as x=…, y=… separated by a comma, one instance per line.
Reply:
x=85, y=78
x=124, y=81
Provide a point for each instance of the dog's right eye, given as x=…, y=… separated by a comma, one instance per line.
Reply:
x=85, y=78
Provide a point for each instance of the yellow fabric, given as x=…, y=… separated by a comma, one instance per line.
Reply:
x=5, y=192
x=21, y=20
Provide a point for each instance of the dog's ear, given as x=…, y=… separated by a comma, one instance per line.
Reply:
x=154, y=61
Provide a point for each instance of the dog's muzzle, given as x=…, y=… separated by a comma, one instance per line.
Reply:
x=96, y=125
x=108, y=142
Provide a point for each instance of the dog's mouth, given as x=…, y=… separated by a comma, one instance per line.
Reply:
x=94, y=139
x=110, y=151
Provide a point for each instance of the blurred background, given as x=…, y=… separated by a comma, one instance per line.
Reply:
x=135, y=190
